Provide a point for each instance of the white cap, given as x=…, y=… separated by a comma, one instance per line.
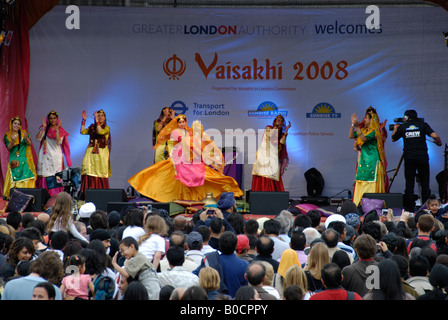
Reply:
x=86, y=210
x=334, y=217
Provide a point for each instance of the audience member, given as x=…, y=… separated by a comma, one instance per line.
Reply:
x=247, y=293
x=251, y=227
x=289, y=258
x=44, y=291
x=390, y=283
x=195, y=293
x=135, y=291
x=311, y=234
x=133, y=222
x=21, y=249
x=264, y=247
x=194, y=247
x=272, y=229
x=355, y=275
x=419, y=274
x=403, y=267
x=286, y=222
x=205, y=233
x=152, y=244
x=255, y=274
x=227, y=203
x=331, y=276
x=242, y=248
x=425, y=225
x=209, y=280
x=177, y=276
x=137, y=265
x=14, y=219
x=317, y=258
x=298, y=243
x=293, y=292
x=47, y=267
x=295, y=275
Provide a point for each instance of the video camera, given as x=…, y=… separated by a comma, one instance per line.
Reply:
x=400, y=121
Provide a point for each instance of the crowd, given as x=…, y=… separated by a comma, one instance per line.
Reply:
x=140, y=254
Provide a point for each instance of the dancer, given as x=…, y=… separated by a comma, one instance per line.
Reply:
x=272, y=157
x=187, y=175
x=95, y=171
x=370, y=172
x=21, y=172
x=163, y=151
x=53, y=144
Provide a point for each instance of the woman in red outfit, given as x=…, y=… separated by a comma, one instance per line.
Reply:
x=272, y=157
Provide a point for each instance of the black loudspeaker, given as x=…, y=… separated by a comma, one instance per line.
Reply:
x=41, y=197
x=392, y=200
x=118, y=206
x=315, y=183
x=267, y=203
x=101, y=197
x=317, y=200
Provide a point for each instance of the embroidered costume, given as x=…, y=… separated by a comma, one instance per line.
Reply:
x=194, y=168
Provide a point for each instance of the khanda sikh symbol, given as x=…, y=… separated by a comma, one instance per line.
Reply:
x=174, y=67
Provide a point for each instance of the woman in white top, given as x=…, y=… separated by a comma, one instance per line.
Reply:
x=61, y=217
x=133, y=220
x=53, y=145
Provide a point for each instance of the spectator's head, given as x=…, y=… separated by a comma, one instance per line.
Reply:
x=175, y=256
x=49, y=266
x=44, y=291
x=264, y=246
x=228, y=242
x=58, y=240
x=98, y=220
x=425, y=223
x=272, y=226
x=418, y=266
x=331, y=237
x=14, y=219
x=209, y=279
x=216, y=226
x=251, y=227
x=255, y=273
x=365, y=246
x=298, y=241
x=331, y=276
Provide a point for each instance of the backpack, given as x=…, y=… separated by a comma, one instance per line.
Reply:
x=104, y=288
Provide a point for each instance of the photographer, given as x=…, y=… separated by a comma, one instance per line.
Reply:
x=415, y=155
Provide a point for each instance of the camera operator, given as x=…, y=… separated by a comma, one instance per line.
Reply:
x=415, y=155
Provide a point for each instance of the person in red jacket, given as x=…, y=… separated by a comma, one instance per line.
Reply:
x=332, y=280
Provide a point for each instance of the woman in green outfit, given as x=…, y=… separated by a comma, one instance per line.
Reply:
x=21, y=172
x=370, y=172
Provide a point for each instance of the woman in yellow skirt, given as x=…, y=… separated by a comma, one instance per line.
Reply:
x=193, y=170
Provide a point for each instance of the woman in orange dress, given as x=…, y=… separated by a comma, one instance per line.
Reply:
x=193, y=170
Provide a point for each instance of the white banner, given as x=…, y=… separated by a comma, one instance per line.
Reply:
x=235, y=69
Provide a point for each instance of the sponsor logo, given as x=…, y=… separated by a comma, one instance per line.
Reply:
x=267, y=109
x=323, y=110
